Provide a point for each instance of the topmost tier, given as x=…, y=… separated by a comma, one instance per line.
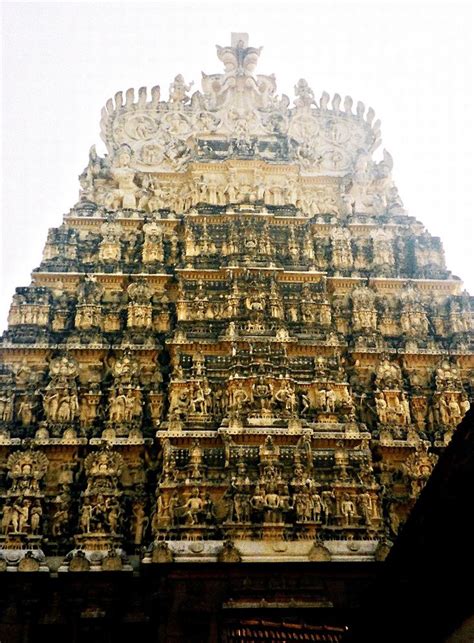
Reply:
x=238, y=115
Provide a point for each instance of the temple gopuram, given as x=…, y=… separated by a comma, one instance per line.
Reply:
x=230, y=377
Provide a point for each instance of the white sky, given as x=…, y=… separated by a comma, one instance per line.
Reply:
x=411, y=61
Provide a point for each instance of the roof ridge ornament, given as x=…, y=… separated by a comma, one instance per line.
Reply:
x=238, y=115
x=238, y=85
x=239, y=58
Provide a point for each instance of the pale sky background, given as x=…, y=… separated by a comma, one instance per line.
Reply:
x=411, y=61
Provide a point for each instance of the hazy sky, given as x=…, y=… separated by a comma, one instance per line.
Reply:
x=412, y=62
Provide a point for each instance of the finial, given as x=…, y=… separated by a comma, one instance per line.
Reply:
x=239, y=57
x=239, y=40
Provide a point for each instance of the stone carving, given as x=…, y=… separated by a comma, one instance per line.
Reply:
x=236, y=106
x=139, y=308
x=388, y=375
x=269, y=346
x=153, y=242
x=88, y=310
x=22, y=510
x=110, y=250
x=364, y=312
x=60, y=397
x=179, y=90
x=101, y=511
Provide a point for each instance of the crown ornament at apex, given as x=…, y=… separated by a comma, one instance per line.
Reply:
x=238, y=114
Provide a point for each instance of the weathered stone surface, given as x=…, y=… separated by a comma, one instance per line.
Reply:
x=238, y=345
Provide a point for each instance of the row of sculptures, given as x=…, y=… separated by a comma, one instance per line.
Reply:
x=123, y=395
x=248, y=304
x=367, y=189
x=103, y=498
x=202, y=354
x=247, y=240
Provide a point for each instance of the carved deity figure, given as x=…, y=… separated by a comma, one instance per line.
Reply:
x=22, y=509
x=153, y=250
x=7, y=399
x=139, y=313
x=304, y=95
x=348, y=510
x=286, y=396
x=124, y=176
x=360, y=197
x=193, y=508
x=341, y=249
x=239, y=397
x=179, y=90
x=139, y=522
x=60, y=397
x=262, y=392
x=101, y=510
x=26, y=469
x=388, y=375
x=103, y=469
x=110, y=245
x=364, y=313
x=383, y=257
x=327, y=505
x=447, y=377
x=366, y=508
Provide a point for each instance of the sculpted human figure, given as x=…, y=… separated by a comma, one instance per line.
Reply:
x=7, y=516
x=197, y=400
x=348, y=510
x=25, y=410
x=331, y=399
x=36, y=514
x=302, y=506
x=60, y=519
x=287, y=397
x=194, y=508
x=321, y=398
x=240, y=397
x=179, y=402
x=21, y=512
x=88, y=408
x=327, y=504
x=272, y=505
x=6, y=405
x=163, y=518
x=112, y=516
x=454, y=410
x=117, y=406
x=365, y=503
x=257, y=501
x=316, y=507
x=132, y=406
x=125, y=178
x=305, y=403
x=241, y=507
x=405, y=410
x=263, y=393
x=51, y=404
x=443, y=408
x=464, y=405
x=179, y=89
x=381, y=407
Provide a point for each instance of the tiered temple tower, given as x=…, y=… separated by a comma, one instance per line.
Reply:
x=238, y=345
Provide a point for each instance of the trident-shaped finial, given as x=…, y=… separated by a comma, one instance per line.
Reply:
x=239, y=40
x=239, y=58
